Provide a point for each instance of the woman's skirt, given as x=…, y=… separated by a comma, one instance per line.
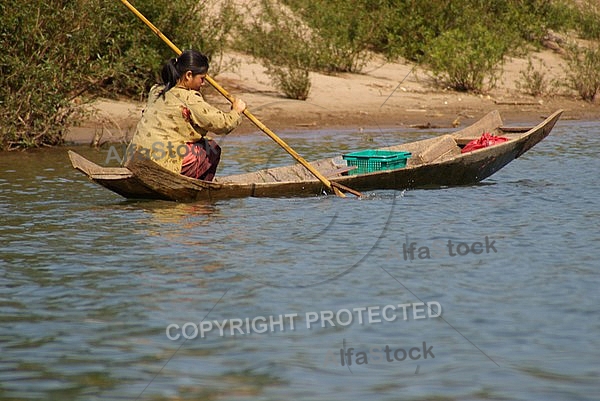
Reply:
x=201, y=160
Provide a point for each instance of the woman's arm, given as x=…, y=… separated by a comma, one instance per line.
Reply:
x=213, y=119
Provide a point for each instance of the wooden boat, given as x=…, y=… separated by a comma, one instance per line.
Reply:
x=435, y=162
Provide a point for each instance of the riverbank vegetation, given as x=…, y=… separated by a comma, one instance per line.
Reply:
x=58, y=54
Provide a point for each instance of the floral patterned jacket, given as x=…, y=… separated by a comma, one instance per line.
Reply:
x=169, y=123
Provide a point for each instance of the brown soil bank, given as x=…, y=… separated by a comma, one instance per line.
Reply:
x=385, y=95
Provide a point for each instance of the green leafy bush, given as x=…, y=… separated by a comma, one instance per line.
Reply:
x=285, y=48
x=326, y=36
x=466, y=60
x=583, y=74
x=342, y=31
x=533, y=80
x=588, y=20
x=407, y=27
x=36, y=79
x=293, y=82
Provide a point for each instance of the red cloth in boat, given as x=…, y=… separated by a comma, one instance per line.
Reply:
x=484, y=141
x=201, y=159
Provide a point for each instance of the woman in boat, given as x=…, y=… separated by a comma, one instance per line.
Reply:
x=173, y=131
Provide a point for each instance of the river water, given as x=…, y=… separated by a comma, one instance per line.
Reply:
x=90, y=283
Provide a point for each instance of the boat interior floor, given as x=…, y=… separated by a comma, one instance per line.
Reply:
x=427, y=151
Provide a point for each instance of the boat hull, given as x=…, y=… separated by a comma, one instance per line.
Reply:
x=436, y=162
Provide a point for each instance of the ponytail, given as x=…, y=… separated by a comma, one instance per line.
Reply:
x=169, y=76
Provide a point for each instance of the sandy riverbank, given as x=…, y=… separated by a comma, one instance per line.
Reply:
x=384, y=95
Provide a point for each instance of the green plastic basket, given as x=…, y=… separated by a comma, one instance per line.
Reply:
x=369, y=161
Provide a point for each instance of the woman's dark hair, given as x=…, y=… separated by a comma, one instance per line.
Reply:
x=189, y=60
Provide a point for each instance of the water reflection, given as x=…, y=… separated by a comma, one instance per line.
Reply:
x=188, y=215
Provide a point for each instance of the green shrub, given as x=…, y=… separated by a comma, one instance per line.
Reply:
x=343, y=31
x=583, y=74
x=466, y=60
x=410, y=27
x=277, y=38
x=407, y=28
x=293, y=82
x=588, y=20
x=581, y=17
x=38, y=75
x=282, y=44
x=309, y=35
x=533, y=80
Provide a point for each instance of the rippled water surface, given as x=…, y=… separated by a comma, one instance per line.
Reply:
x=90, y=283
